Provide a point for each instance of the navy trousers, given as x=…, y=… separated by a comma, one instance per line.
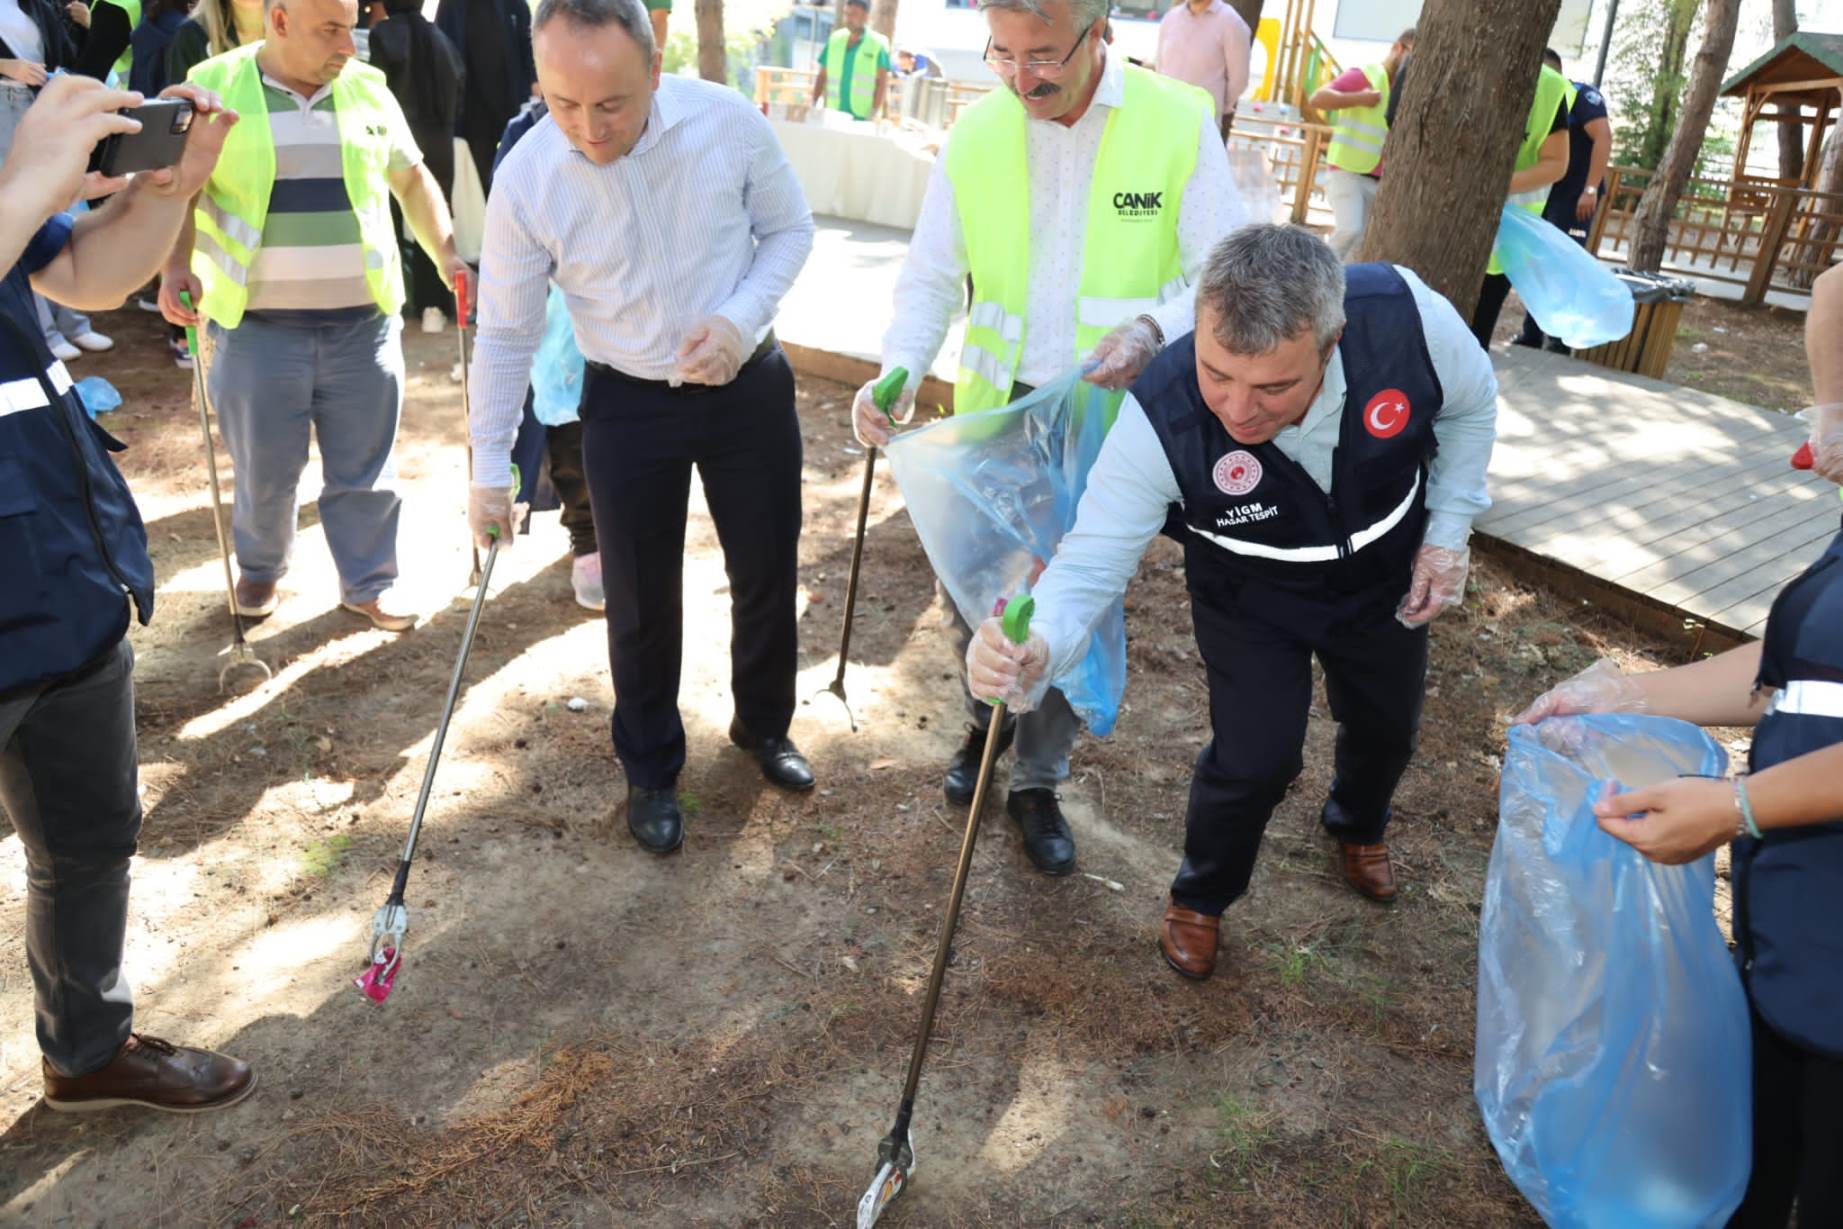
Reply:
x=1260, y=694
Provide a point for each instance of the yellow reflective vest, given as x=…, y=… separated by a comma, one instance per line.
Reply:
x=869, y=53
x=1552, y=90
x=234, y=205
x=1357, y=133
x=1130, y=261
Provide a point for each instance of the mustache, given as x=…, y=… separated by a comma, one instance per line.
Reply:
x=1044, y=89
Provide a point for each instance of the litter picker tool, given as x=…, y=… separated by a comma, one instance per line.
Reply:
x=896, y=1153
x=239, y=655
x=463, y=306
x=391, y=923
x=888, y=389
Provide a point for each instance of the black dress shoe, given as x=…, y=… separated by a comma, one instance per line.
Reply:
x=781, y=761
x=654, y=819
x=963, y=769
x=1047, y=838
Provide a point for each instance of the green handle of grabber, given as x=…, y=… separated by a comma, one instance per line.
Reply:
x=888, y=389
x=1014, y=619
x=492, y=531
x=185, y=301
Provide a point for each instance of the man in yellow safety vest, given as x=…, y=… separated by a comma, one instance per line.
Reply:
x=1083, y=200
x=292, y=258
x=855, y=71
x=1359, y=101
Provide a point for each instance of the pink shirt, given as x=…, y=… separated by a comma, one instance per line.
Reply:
x=1210, y=50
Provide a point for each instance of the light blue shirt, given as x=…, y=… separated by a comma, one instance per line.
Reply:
x=704, y=216
x=1132, y=486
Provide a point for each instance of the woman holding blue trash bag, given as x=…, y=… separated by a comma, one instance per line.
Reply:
x=1785, y=820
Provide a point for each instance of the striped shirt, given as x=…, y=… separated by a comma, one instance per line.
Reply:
x=311, y=259
x=703, y=216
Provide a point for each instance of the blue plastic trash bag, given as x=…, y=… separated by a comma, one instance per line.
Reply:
x=98, y=395
x=556, y=368
x=1613, y=1065
x=991, y=494
x=1569, y=292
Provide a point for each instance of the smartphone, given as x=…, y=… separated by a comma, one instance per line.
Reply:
x=162, y=138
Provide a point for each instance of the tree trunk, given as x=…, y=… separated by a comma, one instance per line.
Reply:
x=1250, y=11
x=1791, y=136
x=1651, y=224
x=883, y=20
x=713, y=56
x=1820, y=245
x=1448, y=165
x=1667, y=85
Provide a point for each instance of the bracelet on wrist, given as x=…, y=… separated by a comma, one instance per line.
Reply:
x=1743, y=806
x=1157, y=331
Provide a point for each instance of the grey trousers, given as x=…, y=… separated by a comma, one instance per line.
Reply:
x=1045, y=735
x=68, y=782
x=60, y=323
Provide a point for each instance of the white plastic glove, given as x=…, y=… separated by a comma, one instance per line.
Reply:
x=1826, y=439
x=1601, y=688
x=1438, y=583
x=710, y=354
x=997, y=667
x=868, y=422
x=1119, y=357
x=490, y=508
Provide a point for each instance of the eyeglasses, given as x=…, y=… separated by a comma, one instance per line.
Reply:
x=1049, y=70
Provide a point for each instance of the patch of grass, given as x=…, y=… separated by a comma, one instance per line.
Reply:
x=689, y=803
x=322, y=858
x=1297, y=963
x=1243, y=1133
x=1410, y=1170
x=829, y=832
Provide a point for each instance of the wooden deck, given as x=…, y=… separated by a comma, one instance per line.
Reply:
x=1684, y=499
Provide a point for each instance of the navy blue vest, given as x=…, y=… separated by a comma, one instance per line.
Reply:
x=1788, y=888
x=71, y=541
x=1259, y=536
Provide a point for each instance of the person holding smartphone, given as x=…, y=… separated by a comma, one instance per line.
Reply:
x=74, y=553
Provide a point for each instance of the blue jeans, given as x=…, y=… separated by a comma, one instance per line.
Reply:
x=271, y=384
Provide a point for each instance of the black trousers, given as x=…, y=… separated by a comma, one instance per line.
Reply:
x=68, y=782
x=640, y=442
x=564, y=445
x=1490, y=306
x=1260, y=694
x=1797, y=1136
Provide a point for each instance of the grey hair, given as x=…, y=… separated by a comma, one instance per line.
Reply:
x=1085, y=12
x=1263, y=284
x=597, y=13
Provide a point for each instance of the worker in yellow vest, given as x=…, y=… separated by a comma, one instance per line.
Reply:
x=292, y=259
x=1358, y=100
x=1542, y=159
x=855, y=71
x=1083, y=200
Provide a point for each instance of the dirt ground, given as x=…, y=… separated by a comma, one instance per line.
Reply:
x=584, y=1034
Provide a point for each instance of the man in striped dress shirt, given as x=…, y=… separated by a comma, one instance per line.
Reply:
x=669, y=217
x=293, y=258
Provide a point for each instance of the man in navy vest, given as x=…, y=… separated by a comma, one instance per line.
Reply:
x=73, y=553
x=1319, y=447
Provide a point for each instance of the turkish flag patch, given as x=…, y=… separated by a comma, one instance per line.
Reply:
x=1387, y=413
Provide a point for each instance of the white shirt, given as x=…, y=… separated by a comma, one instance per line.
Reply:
x=1131, y=486
x=21, y=34
x=932, y=287
x=703, y=216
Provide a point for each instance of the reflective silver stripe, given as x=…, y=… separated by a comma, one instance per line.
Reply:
x=233, y=268
x=17, y=396
x=1343, y=137
x=1316, y=554
x=1356, y=125
x=1177, y=288
x=1809, y=698
x=987, y=366
x=1106, y=313
x=989, y=315
x=234, y=228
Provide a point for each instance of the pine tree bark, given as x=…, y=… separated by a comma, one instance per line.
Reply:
x=1791, y=136
x=883, y=20
x=713, y=56
x=1667, y=84
x=1651, y=224
x=1449, y=155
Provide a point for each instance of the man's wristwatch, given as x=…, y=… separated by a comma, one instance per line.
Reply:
x=1157, y=332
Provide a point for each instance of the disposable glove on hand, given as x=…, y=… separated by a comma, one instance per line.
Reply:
x=1600, y=688
x=868, y=422
x=998, y=667
x=489, y=508
x=711, y=353
x=1438, y=583
x=1119, y=357
x=1827, y=440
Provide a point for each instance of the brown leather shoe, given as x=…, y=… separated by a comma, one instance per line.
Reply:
x=256, y=599
x=381, y=618
x=1367, y=869
x=157, y=1074
x=1187, y=940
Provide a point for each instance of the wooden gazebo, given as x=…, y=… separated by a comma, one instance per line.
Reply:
x=1799, y=81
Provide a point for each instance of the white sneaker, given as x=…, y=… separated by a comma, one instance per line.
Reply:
x=147, y=303
x=93, y=341
x=586, y=580
x=64, y=352
x=432, y=320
